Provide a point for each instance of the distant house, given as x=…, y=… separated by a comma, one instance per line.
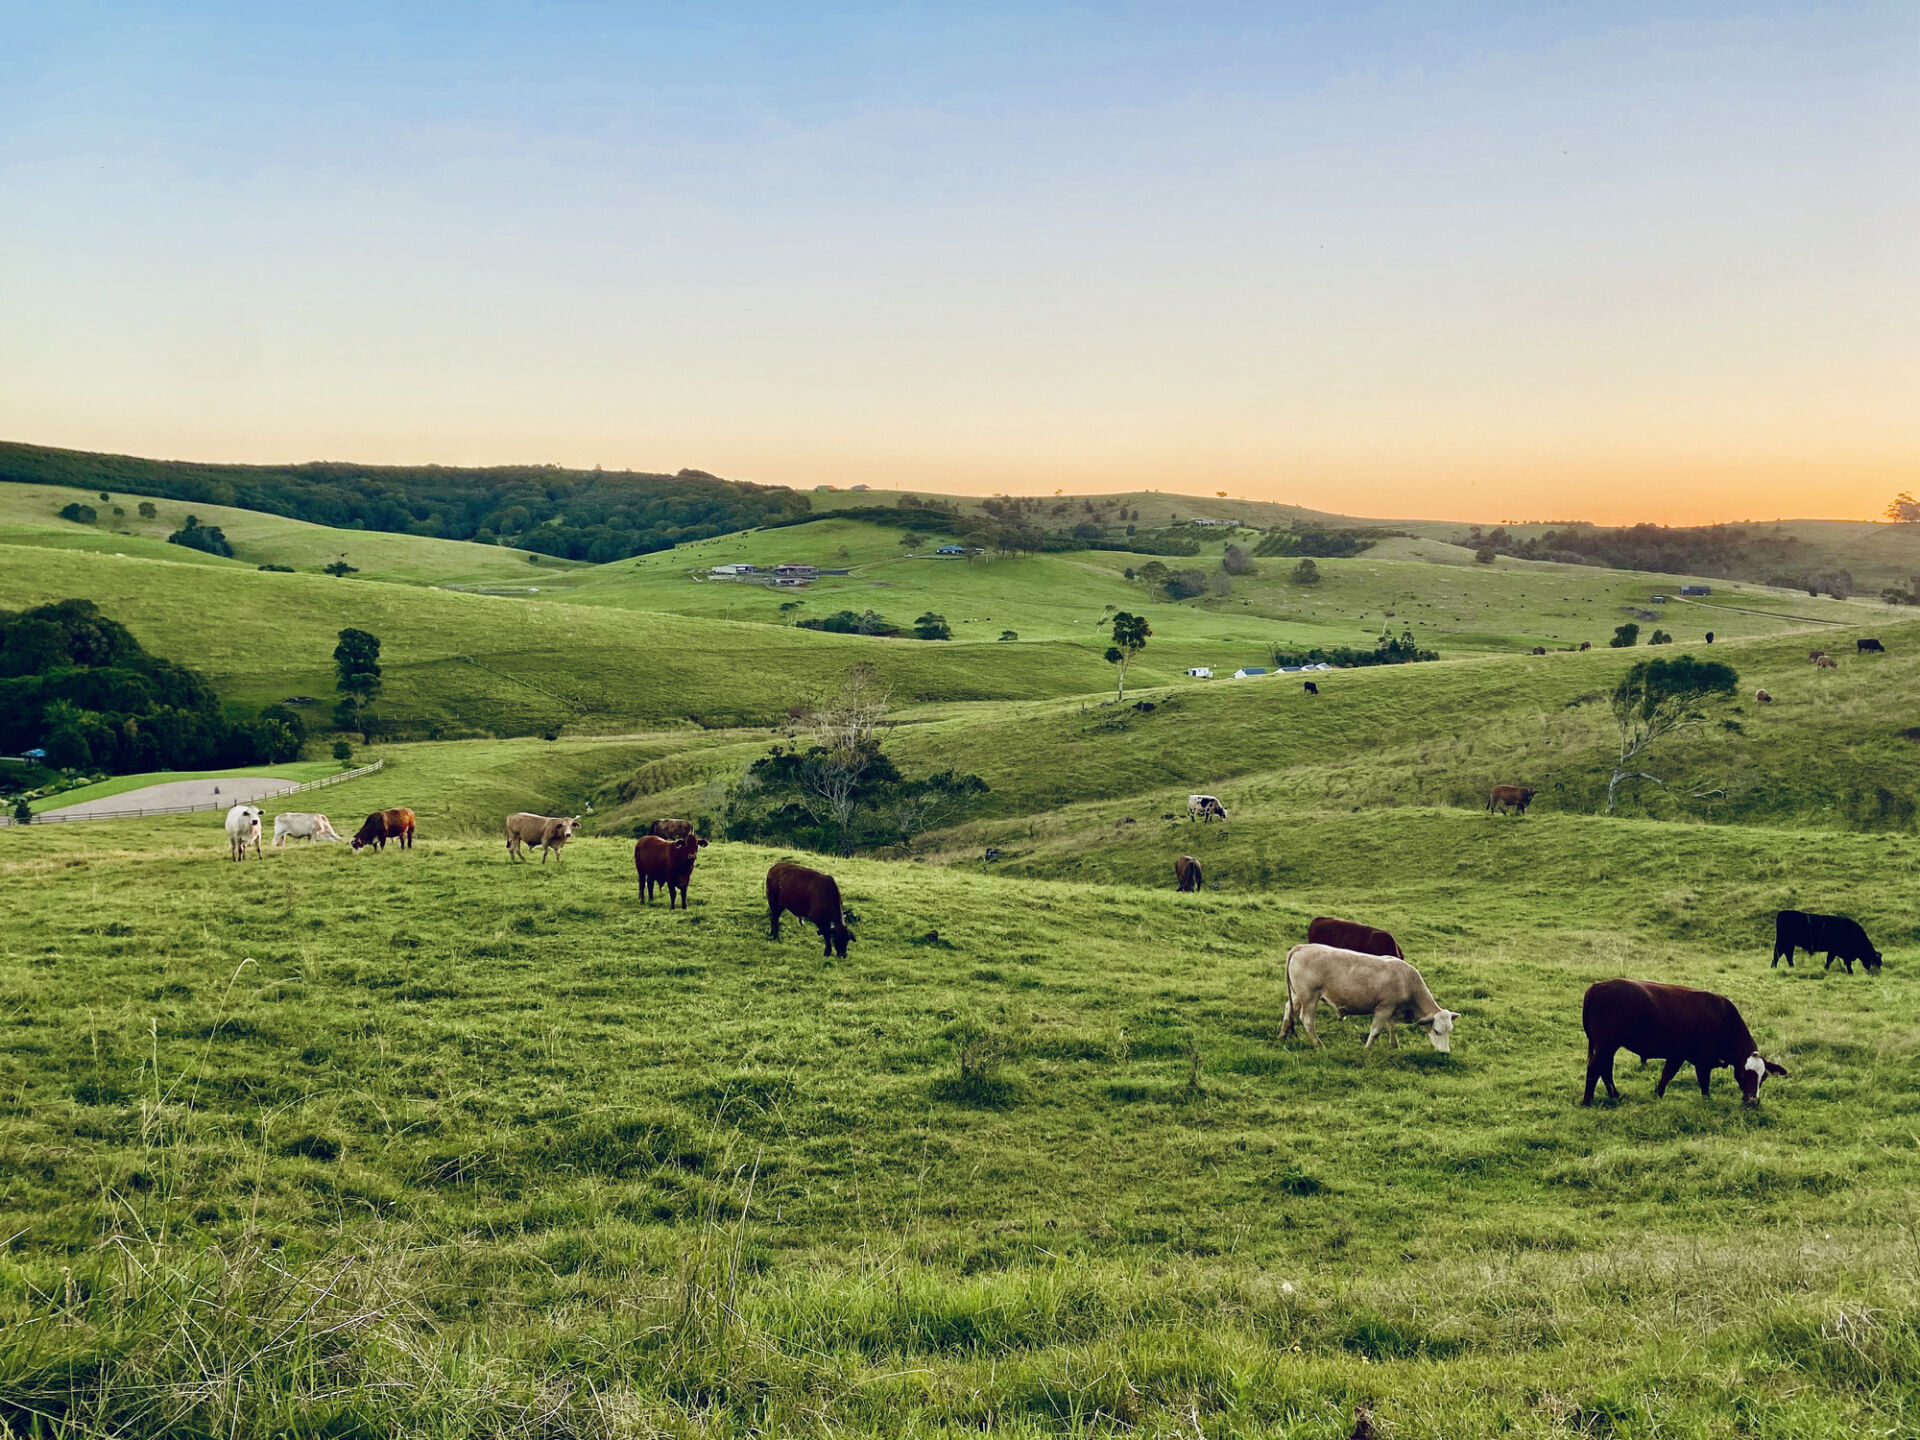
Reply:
x=951, y=550
x=1200, y=672
x=859, y=487
x=1228, y=524
x=731, y=570
x=35, y=754
x=792, y=571
x=1659, y=599
x=1248, y=672
x=1688, y=591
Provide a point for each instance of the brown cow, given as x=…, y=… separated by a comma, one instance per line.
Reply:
x=1826, y=662
x=1762, y=697
x=1814, y=656
x=547, y=833
x=1674, y=1024
x=674, y=829
x=664, y=862
x=811, y=896
x=382, y=826
x=1186, y=872
x=1351, y=935
x=1586, y=644
x=1516, y=797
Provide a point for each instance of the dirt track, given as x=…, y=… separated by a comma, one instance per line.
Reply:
x=180, y=792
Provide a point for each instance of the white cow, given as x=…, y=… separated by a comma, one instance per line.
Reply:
x=243, y=829
x=1205, y=807
x=1355, y=984
x=299, y=826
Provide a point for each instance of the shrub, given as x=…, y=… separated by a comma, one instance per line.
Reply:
x=1185, y=584
x=340, y=567
x=1625, y=637
x=1306, y=573
x=342, y=751
x=22, y=812
x=932, y=627
x=207, y=539
x=1484, y=554
x=1009, y=634
x=1237, y=561
x=147, y=510
x=1660, y=637
x=79, y=514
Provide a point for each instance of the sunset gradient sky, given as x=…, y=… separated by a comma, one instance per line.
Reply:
x=1482, y=261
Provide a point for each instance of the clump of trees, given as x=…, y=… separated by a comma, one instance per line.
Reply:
x=1322, y=541
x=1237, y=560
x=868, y=622
x=1904, y=509
x=1306, y=573
x=1625, y=637
x=207, y=538
x=833, y=787
x=80, y=686
x=1401, y=649
x=79, y=514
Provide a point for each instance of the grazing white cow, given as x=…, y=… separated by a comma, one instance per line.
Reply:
x=1205, y=807
x=243, y=829
x=295, y=825
x=1390, y=990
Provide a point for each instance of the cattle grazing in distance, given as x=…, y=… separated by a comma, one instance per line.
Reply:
x=1186, y=874
x=243, y=829
x=1351, y=935
x=810, y=896
x=295, y=825
x=1205, y=807
x=1510, y=797
x=665, y=862
x=1761, y=697
x=1389, y=989
x=1815, y=656
x=1674, y=1024
x=671, y=829
x=382, y=826
x=1843, y=940
x=1869, y=647
x=546, y=833
x=1826, y=662
x=1709, y=637
x=1539, y=649
x=1311, y=688
x=1586, y=644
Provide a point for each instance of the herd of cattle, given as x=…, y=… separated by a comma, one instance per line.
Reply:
x=1352, y=968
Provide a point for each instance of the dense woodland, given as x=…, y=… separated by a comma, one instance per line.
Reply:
x=79, y=686
x=591, y=515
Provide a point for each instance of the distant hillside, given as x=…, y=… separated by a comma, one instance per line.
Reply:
x=591, y=515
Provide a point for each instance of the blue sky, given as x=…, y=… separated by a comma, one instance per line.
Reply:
x=1486, y=261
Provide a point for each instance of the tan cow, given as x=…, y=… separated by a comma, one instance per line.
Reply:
x=547, y=833
x=1761, y=697
x=1390, y=990
x=1826, y=662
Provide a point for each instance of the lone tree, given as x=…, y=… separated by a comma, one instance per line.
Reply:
x=1130, y=634
x=844, y=731
x=1658, y=698
x=357, y=659
x=1905, y=510
x=1306, y=573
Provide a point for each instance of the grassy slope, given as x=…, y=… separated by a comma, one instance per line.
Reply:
x=30, y=515
x=516, y=1118
x=484, y=663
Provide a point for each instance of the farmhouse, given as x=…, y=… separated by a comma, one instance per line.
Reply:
x=1200, y=672
x=726, y=571
x=951, y=550
x=1249, y=671
x=796, y=572
x=1688, y=592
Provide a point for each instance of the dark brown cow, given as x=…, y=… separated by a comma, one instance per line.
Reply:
x=674, y=829
x=382, y=826
x=1351, y=935
x=1539, y=649
x=1586, y=644
x=811, y=896
x=1674, y=1024
x=1510, y=797
x=1186, y=873
x=665, y=862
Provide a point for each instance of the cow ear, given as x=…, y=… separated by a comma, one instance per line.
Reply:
x=1773, y=1069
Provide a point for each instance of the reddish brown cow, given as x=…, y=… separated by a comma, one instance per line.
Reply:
x=665, y=862
x=1510, y=797
x=1351, y=935
x=1186, y=874
x=1674, y=1024
x=382, y=826
x=811, y=896
x=1586, y=644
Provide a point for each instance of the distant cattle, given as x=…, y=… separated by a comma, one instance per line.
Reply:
x=1843, y=940
x=1205, y=807
x=1709, y=637
x=1539, y=649
x=1762, y=697
x=243, y=829
x=1311, y=688
x=810, y=896
x=1674, y=1024
x=674, y=829
x=382, y=826
x=1510, y=797
x=1586, y=644
x=1826, y=662
x=1351, y=935
x=1186, y=874
x=1815, y=656
x=1386, y=988
x=546, y=833
x=297, y=826
x=1869, y=647
x=665, y=862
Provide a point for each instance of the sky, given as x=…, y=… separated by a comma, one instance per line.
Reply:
x=1608, y=261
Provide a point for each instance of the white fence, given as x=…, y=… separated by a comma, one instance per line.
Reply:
x=54, y=817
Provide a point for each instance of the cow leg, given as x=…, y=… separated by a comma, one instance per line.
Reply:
x=1667, y=1071
x=1308, y=1012
x=1704, y=1073
x=1599, y=1067
x=1286, y=1020
x=773, y=917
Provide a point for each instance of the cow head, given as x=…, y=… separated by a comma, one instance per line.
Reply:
x=1870, y=961
x=840, y=938
x=1439, y=1028
x=1752, y=1073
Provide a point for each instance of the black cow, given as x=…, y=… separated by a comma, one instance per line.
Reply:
x=1843, y=940
x=1869, y=647
x=1312, y=689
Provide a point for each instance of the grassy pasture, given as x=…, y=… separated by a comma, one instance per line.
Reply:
x=30, y=515
x=429, y=1143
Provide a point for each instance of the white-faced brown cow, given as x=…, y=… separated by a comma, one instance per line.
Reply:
x=1388, y=989
x=1673, y=1024
x=298, y=825
x=546, y=833
x=1205, y=807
